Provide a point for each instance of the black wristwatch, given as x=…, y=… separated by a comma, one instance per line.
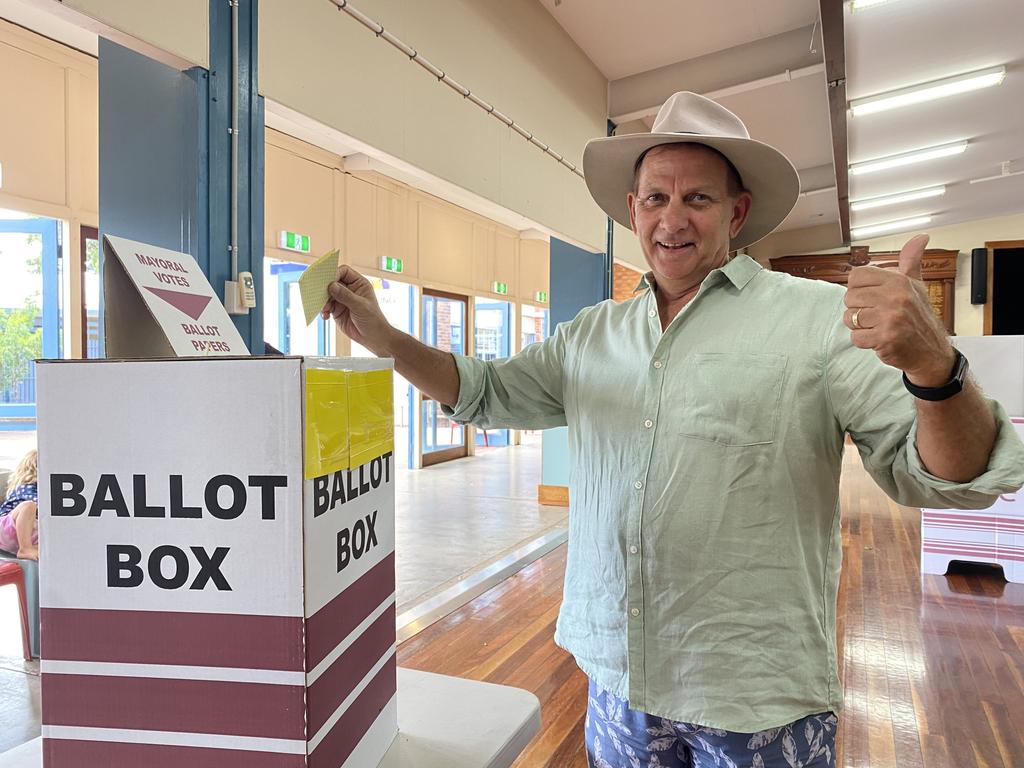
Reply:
x=955, y=384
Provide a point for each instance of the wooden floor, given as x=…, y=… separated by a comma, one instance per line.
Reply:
x=933, y=666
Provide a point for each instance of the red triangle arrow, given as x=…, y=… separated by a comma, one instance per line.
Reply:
x=189, y=303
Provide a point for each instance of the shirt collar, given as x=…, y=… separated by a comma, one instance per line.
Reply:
x=739, y=271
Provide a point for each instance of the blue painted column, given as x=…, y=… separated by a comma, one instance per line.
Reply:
x=165, y=155
x=578, y=279
x=217, y=169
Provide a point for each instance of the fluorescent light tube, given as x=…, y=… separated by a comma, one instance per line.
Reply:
x=908, y=158
x=859, y=233
x=901, y=197
x=857, y=5
x=936, y=89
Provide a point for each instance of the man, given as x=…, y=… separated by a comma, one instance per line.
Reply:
x=706, y=427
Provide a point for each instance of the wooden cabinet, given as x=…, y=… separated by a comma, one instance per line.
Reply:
x=534, y=270
x=360, y=224
x=393, y=233
x=938, y=271
x=299, y=197
x=444, y=242
x=495, y=260
x=505, y=260
x=377, y=223
x=33, y=129
x=84, y=143
x=483, y=258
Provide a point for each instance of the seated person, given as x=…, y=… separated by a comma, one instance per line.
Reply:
x=18, y=530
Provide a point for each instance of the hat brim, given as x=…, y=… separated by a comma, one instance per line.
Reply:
x=770, y=177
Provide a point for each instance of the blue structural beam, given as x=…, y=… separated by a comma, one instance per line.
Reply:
x=578, y=279
x=165, y=155
x=250, y=158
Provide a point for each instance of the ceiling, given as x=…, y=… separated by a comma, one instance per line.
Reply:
x=763, y=59
x=906, y=42
x=658, y=32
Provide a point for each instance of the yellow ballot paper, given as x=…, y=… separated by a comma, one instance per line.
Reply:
x=314, y=281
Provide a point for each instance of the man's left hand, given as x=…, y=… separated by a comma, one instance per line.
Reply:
x=894, y=318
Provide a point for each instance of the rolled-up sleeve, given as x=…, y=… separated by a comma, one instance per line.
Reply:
x=870, y=402
x=525, y=391
x=1004, y=473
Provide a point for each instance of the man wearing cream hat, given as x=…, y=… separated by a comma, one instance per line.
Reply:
x=706, y=422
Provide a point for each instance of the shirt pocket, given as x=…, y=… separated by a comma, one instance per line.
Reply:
x=731, y=399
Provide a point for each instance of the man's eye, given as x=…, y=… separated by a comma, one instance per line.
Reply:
x=654, y=198
x=699, y=197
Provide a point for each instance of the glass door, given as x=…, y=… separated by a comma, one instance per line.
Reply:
x=444, y=327
x=92, y=346
x=492, y=328
x=397, y=301
x=30, y=316
x=284, y=323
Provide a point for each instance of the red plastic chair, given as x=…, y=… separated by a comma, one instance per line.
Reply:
x=11, y=573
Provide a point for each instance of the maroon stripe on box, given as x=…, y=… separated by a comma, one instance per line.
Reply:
x=58, y=753
x=165, y=637
x=336, y=620
x=345, y=735
x=188, y=706
x=329, y=690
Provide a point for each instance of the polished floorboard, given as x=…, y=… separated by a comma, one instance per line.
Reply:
x=933, y=666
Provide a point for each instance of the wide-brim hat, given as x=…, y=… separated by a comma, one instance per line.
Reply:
x=609, y=163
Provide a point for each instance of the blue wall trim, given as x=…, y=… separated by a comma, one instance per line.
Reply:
x=578, y=279
x=165, y=155
x=250, y=159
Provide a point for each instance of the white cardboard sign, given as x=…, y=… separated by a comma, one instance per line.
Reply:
x=184, y=318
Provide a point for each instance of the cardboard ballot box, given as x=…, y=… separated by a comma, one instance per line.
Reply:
x=219, y=581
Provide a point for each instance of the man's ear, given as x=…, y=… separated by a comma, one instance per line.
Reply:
x=630, y=201
x=740, y=212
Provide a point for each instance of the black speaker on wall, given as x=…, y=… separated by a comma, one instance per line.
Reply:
x=979, y=276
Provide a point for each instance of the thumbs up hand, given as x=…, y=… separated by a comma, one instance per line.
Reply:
x=888, y=311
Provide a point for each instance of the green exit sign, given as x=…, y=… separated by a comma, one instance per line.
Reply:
x=541, y=296
x=390, y=264
x=501, y=288
x=293, y=241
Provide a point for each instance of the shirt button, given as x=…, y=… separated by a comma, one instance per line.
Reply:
x=634, y=612
x=658, y=363
x=651, y=313
x=638, y=485
x=648, y=423
x=633, y=550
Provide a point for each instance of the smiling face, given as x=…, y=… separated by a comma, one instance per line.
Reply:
x=684, y=213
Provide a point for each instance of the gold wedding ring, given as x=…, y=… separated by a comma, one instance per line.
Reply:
x=855, y=318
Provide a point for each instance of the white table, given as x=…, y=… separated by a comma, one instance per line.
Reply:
x=443, y=722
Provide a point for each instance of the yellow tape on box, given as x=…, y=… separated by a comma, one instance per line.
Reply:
x=349, y=419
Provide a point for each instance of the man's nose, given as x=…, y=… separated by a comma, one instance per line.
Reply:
x=675, y=216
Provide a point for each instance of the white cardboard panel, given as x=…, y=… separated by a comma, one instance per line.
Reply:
x=193, y=418
x=997, y=363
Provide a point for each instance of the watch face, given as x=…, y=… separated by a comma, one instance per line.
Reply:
x=960, y=374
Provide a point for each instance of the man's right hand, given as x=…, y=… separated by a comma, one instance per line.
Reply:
x=353, y=304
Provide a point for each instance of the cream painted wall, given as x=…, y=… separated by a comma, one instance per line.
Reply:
x=180, y=27
x=968, y=319
x=319, y=61
x=627, y=248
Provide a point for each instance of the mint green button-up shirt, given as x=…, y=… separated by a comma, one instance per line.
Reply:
x=704, y=541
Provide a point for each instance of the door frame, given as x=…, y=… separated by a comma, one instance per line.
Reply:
x=428, y=459
x=508, y=310
x=23, y=415
x=87, y=232
x=992, y=246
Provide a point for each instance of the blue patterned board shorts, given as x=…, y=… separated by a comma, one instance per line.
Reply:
x=619, y=737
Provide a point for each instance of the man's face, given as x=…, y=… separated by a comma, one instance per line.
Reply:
x=683, y=212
